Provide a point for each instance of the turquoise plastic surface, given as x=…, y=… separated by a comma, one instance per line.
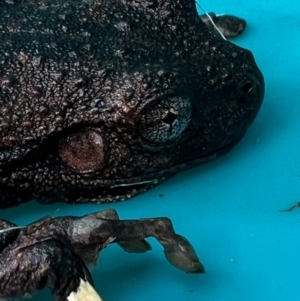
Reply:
x=230, y=208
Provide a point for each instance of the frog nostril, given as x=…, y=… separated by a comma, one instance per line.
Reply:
x=247, y=87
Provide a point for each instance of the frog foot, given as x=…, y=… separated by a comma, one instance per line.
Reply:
x=182, y=255
x=131, y=234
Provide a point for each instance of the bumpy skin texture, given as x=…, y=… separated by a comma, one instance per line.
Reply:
x=103, y=99
x=56, y=252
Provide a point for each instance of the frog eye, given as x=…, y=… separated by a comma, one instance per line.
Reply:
x=165, y=120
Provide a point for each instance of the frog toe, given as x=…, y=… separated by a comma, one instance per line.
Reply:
x=182, y=255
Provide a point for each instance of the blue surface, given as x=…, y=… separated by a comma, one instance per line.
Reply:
x=229, y=209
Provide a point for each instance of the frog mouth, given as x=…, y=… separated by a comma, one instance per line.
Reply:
x=127, y=188
x=114, y=193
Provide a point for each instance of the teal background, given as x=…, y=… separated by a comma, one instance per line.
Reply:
x=229, y=208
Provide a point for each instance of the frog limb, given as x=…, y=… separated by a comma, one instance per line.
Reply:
x=8, y=233
x=131, y=246
x=50, y=263
x=56, y=252
x=178, y=251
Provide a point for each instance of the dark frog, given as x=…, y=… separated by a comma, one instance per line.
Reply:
x=103, y=99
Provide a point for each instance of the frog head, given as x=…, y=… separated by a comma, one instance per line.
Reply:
x=102, y=100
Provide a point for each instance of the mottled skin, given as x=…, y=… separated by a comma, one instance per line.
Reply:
x=56, y=252
x=103, y=99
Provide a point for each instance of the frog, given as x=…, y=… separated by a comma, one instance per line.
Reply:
x=58, y=252
x=101, y=100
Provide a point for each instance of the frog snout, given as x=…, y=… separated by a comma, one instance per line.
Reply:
x=252, y=86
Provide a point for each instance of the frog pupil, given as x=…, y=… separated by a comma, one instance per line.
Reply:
x=169, y=118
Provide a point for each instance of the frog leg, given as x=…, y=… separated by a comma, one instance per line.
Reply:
x=49, y=263
x=8, y=233
x=69, y=278
x=178, y=251
x=130, y=246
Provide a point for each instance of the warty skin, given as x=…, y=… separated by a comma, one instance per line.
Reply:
x=103, y=99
